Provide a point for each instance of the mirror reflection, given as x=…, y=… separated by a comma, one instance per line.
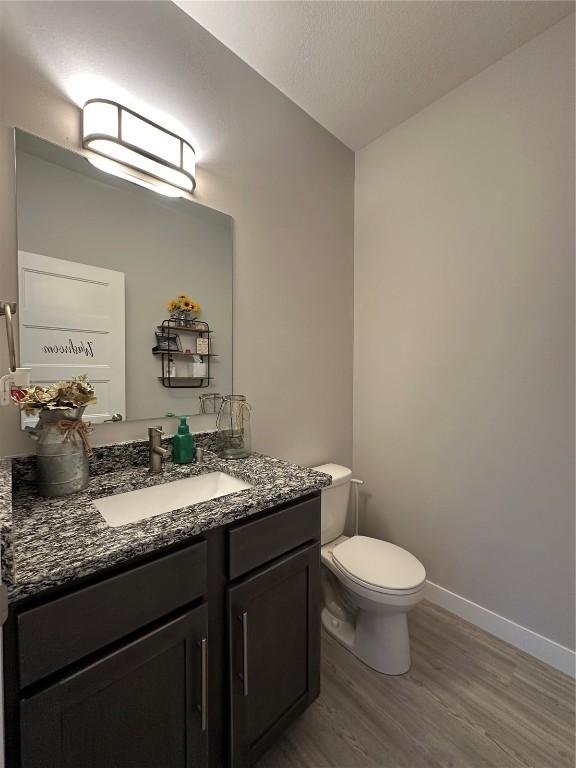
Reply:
x=122, y=284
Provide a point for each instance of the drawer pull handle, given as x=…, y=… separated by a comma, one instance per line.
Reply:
x=244, y=676
x=203, y=707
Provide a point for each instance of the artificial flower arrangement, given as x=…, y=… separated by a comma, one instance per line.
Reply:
x=61, y=396
x=59, y=408
x=183, y=303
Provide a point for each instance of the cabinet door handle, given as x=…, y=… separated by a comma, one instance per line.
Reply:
x=203, y=706
x=244, y=619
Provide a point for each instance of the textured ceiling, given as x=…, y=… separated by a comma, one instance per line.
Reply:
x=359, y=68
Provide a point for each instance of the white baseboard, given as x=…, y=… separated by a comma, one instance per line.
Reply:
x=526, y=640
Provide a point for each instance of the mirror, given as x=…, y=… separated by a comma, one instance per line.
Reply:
x=102, y=263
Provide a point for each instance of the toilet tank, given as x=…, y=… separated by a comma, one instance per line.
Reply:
x=334, y=501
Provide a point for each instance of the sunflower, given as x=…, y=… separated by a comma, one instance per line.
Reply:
x=183, y=302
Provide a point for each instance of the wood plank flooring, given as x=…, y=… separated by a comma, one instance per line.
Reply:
x=469, y=701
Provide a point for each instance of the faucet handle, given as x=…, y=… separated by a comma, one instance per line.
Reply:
x=156, y=451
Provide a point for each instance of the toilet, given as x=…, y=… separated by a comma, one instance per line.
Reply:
x=368, y=585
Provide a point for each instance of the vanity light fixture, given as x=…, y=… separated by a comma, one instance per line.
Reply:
x=116, y=169
x=121, y=135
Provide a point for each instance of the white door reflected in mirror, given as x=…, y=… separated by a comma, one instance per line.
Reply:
x=72, y=322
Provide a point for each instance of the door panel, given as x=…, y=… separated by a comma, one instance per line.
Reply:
x=139, y=707
x=277, y=652
x=106, y=723
x=274, y=626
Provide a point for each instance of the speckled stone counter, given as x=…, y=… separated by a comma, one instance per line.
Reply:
x=49, y=542
x=6, y=548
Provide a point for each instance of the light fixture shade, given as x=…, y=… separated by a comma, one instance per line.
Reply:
x=117, y=132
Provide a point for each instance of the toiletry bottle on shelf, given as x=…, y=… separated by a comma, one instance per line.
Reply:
x=171, y=368
x=187, y=366
x=197, y=367
x=183, y=444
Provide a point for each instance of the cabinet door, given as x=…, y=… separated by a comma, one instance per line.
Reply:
x=274, y=627
x=143, y=706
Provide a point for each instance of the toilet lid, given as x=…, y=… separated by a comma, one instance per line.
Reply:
x=379, y=564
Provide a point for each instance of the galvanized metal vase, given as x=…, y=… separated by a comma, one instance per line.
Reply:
x=62, y=460
x=182, y=318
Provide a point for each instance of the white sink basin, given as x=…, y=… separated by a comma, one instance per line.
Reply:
x=137, y=505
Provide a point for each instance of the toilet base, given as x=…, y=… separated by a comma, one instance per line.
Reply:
x=340, y=629
x=381, y=641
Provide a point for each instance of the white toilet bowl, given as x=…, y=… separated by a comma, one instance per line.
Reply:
x=368, y=585
x=368, y=619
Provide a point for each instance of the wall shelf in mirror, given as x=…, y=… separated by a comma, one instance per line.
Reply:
x=170, y=331
x=185, y=382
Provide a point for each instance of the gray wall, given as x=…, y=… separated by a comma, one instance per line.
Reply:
x=69, y=210
x=287, y=183
x=464, y=336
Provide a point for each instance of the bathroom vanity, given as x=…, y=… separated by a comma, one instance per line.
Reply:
x=183, y=640
x=180, y=630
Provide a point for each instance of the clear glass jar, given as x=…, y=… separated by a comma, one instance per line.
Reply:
x=210, y=403
x=233, y=425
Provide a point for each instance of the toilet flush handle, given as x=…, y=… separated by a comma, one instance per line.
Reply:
x=356, y=483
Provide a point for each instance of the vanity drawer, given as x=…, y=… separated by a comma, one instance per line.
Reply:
x=255, y=543
x=65, y=630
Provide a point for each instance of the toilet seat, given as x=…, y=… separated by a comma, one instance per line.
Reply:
x=379, y=566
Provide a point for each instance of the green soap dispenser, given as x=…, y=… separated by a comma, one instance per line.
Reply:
x=183, y=444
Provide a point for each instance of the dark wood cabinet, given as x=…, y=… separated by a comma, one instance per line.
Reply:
x=274, y=631
x=194, y=657
x=142, y=706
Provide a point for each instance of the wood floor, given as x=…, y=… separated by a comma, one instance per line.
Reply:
x=469, y=700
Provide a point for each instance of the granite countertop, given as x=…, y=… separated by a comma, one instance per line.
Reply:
x=49, y=542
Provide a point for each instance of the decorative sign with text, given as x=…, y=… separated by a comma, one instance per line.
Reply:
x=55, y=346
x=82, y=348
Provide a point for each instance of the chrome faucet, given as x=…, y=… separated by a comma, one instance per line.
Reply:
x=156, y=453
